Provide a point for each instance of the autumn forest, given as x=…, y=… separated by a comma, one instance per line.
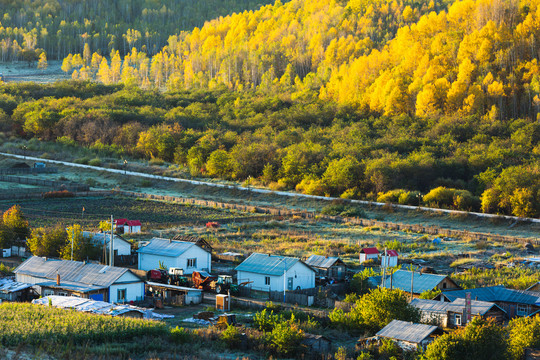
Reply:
x=433, y=102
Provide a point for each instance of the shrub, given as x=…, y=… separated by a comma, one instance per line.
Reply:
x=285, y=338
x=265, y=321
x=95, y=162
x=58, y=194
x=179, y=335
x=231, y=336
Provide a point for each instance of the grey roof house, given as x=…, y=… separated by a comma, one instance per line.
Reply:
x=408, y=335
x=403, y=279
x=446, y=314
x=184, y=255
x=331, y=267
x=93, y=281
x=275, y=273
x=513, y=302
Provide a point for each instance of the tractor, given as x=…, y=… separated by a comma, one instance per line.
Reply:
x=225, y=283
x=176, y=277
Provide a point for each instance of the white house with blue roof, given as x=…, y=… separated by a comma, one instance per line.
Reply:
x=185, y=255
x=275, y=273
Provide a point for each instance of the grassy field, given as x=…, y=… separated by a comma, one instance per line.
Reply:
x=20, y=71
x=152, y=214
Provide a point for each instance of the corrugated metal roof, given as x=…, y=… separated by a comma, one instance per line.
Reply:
x=10, y=286
x=392, y=253
x=86, y=305
x=407, y=331
x=457, y=306
x=166, y=247
x=321, y=261
x=74, y=271
x=497, y=293
x=71, y=286
x=369, y=251
x=267, y=264
x=401, y=279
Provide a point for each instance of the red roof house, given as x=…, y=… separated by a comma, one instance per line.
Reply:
x=368, y=254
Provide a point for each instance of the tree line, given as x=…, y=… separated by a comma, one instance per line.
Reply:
x=286, y=143
x=61, y=27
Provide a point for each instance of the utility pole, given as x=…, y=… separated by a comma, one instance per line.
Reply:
x=284, y=280
x=383, y=264
x=412, y=282
x=111, y=252
x=72, y=238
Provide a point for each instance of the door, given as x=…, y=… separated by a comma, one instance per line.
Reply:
x=290, y=284
x=98, y=297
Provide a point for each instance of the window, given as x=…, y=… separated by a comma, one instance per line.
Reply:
x=192, y=263
x=121, y=297
x=457, y=319
x=444, y=285
x=267, y=280
x=62, y=293
x=47, y=292
x=522, y=310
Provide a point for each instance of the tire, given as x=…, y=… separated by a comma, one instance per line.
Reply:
x=298, y=288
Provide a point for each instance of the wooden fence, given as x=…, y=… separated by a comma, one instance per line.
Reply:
x=43, y=170
x=57, y=185
x=281, y=212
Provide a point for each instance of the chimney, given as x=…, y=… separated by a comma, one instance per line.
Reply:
x=57, y=278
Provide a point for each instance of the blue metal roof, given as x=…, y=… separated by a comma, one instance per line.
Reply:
x=166, y=247
x=401, y=279
x=267, y=264
x=496, y=293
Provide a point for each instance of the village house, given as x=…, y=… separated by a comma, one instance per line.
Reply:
x=273, y=273
x=125, y=226
x=81, y=279
x=408, y=335
x=513, y=302
x=120, y=245
x=184, y=255
x=446, y=314
x=331, y=267
x=369, y=254
x=390, y=259
x=421, y=282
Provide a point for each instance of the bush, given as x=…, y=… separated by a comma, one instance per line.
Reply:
x=285, y=339
x=179, y=335
x=231, y=336
x=95, y=162
x=452, y=198
x=58, y=194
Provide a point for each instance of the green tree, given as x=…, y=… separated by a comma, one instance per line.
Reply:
x=47, y=242
x=14, y=226
x=481, y=339
x=342, y=174
x=219, y=164
x=83, y=247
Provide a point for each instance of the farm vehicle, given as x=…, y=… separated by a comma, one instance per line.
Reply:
x=174, y=276
x=220, y=284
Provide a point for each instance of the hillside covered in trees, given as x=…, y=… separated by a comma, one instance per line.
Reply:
x=398, y=101
x=61, y=27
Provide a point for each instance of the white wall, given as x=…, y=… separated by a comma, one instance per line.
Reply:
x=302, y=276
x=133, y=285
x=123, y=247
x=204, y=260
x=392, y=261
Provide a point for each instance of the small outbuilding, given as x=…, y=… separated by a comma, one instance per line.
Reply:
x=11, y=290
x=317, y=344
x=331, y=267
x=125, y=226
x=184, y=255
x=390, y=259
x=369, y=254
x=408, y=335
x=273, y=273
